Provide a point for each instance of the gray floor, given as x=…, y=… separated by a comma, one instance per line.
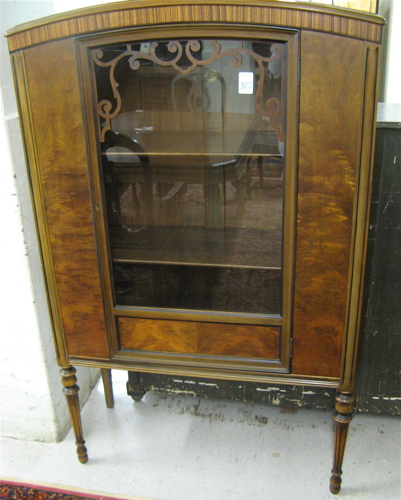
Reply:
x=183, y=448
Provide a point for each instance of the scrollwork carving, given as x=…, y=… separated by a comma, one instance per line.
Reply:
x=191, y=49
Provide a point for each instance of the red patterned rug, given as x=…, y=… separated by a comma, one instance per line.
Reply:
x=23, y=491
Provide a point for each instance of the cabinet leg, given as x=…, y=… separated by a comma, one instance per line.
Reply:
x=108, y=387
x=342, y=418
x=70, y=390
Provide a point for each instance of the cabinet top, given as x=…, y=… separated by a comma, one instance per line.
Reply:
x=134, y=13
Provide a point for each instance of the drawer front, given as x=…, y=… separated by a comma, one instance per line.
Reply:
x=191, y=337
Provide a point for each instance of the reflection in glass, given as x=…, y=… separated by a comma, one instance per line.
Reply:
x=192, y=142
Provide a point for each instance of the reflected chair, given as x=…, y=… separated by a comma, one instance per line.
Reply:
x=126, y=164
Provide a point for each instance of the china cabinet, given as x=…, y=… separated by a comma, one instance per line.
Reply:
x=200, y=177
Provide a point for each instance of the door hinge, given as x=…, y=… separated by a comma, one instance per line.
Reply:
x=291, y=347
x=299, y=71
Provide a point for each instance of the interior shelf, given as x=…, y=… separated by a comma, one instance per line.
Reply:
x=197, y=246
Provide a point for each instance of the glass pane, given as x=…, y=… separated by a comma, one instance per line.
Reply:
x=192, y=142
x=196, y=287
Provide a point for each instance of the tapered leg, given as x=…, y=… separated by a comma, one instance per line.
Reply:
x=70, y=390
x=342, y=417
x=108, y=387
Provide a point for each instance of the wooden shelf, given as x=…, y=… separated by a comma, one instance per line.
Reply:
x=197, y=134
x=197, y=246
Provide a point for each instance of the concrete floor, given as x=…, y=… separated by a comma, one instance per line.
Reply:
x=184, y=448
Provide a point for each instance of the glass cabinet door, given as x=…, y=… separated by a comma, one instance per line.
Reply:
x=192, y=142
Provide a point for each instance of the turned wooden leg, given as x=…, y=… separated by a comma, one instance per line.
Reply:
x=70, y=390
x=108, y=387
x=342, y=417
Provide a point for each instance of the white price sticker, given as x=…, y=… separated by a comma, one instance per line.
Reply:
x=245, y=82
x=145, y=47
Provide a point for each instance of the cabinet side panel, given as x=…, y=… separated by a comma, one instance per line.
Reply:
x=331, y=109
x=63, y=180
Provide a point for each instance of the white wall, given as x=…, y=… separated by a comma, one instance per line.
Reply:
x=391, y=65
x=32, y=405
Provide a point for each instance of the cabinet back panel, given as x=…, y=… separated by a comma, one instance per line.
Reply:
x=66, y=211
x=332, y=93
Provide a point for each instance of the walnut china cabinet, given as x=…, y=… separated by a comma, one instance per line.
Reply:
x=200, y=176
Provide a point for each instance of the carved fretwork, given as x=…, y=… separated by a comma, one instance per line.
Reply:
x=190, y=51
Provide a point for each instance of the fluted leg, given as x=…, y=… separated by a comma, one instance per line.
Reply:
x=108, y=387
x=342, y=417
x=70, y=390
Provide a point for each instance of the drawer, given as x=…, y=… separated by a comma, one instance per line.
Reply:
x=192, y=337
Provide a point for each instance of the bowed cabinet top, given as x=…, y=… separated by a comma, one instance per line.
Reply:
x=139, y=13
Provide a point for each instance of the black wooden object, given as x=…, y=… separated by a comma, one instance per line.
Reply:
x=378, y=385
x=288, y=397
x=379, y=376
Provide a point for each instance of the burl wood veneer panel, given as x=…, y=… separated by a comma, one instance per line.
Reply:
x=63, y=178
x=191, y=337
x=332, y=92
